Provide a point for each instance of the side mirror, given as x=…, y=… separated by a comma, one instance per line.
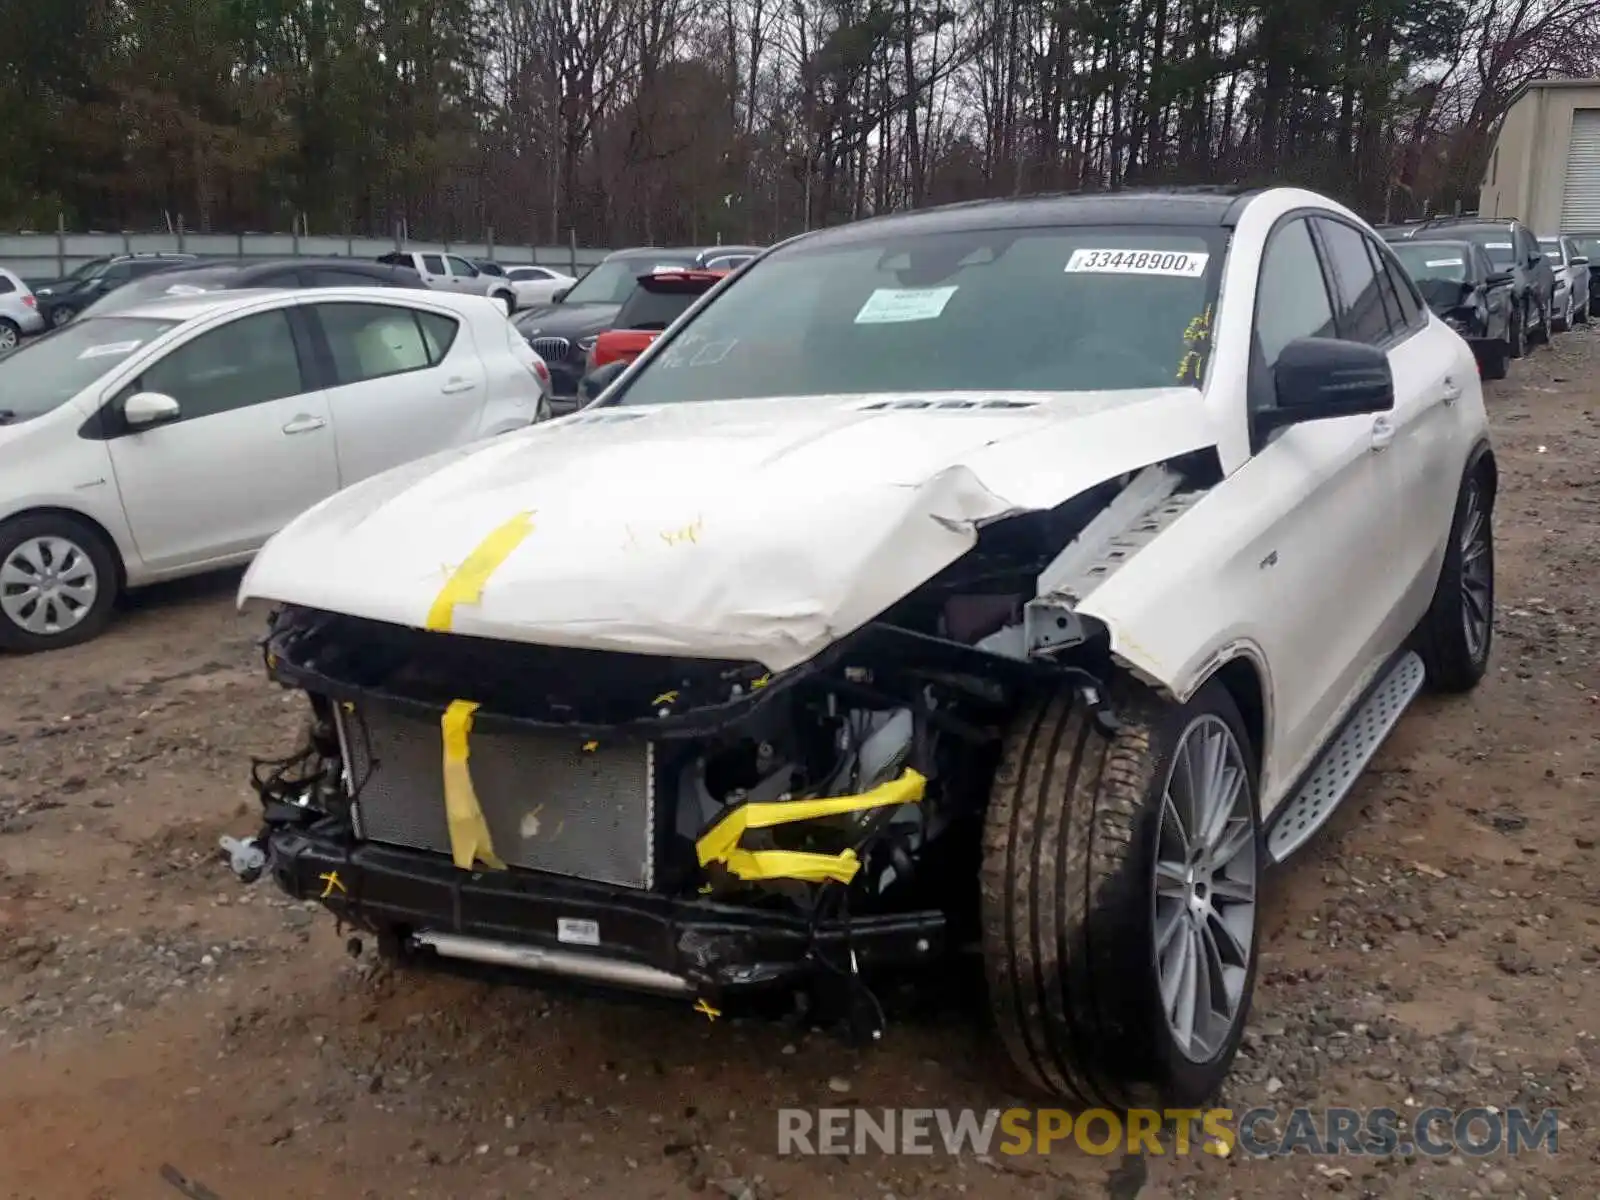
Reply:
x=145, y=409
x=558, y=296
x=1580, y=261
x=1500, y=279
x=1316, y=379
x=599, y=379
x=1535, y=259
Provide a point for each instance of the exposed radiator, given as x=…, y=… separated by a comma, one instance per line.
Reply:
x=549, y=804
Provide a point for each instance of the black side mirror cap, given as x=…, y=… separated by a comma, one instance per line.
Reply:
x=557, y=297
x=1317, y=379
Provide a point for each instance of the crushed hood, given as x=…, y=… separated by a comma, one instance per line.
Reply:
x=757, y=530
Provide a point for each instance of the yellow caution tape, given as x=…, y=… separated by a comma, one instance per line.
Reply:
x=465, y=585
x=720, y=843
x=705, y=1006
x=469, y=832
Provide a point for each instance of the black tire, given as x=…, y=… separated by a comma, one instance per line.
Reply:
x=509, y=301
x=1541, y=333
x=1494, y=361
x=1455, y=657
x=1563, y=323
x=10, y=335
x=1068, y=901
x=60, y=315
x=13, y=636
x=1517, y=344
x=1582, y=315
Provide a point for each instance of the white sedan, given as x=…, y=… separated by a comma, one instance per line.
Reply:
x=177, y=436
x=537, y=285
x=1044, y=567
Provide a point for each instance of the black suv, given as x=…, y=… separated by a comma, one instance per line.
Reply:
x=63, y=299
x=1461, y=285
x=1511, y=246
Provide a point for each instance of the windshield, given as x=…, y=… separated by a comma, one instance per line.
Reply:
x=159, y=284
x=1497, y=245
x=656, y=308
x=93, y=267
x=46, y=373
x=613, y=281
x=1427, y=261
x=1588, y=247
x=1552, y=249
x=1067, y=308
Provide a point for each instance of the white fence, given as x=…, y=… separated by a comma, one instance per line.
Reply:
x=52, y=255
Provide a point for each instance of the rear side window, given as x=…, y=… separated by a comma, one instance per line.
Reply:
x=438, y=334
x=647, y=309
x=433, y=264
x=6, y=286
x=1361, y=311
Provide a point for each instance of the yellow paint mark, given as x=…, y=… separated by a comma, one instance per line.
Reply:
x=332, y=883
x=665, y=698
x=762, y=682
x=688, y=533
x=702, y=1005
x=590, y=747
x=466, y=583
x=469, y=832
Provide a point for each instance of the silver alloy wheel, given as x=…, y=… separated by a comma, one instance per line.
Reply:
x=48, y=585
x=1205, y=888
x=59, y=317
x=9, y=337
x=1477, y=574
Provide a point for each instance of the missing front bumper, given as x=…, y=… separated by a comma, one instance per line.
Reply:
x=578, y=928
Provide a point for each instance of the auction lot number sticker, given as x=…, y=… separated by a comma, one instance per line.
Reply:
x=1137, y=262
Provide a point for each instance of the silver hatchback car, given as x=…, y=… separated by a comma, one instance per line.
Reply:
x=19, y=311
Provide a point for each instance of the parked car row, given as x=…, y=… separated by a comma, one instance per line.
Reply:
x=175, y=432
x=1496, y=284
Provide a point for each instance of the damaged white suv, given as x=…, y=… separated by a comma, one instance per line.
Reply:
x=1031, y=573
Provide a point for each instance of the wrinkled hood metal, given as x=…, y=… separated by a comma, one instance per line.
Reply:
x=758, y=530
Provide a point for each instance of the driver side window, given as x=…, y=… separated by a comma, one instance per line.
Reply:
x=249, y=361
x=462, y=268
x=1292, y=295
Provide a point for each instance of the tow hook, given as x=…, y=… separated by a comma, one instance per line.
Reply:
x=246, y=856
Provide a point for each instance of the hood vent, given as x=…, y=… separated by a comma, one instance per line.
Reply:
x=945, y=405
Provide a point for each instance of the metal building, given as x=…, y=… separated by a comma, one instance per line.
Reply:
x=1545, y=166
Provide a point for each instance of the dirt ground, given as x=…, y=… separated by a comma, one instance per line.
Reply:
x=1436, y=946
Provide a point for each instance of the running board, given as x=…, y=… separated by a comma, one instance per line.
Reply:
x=1341, y=763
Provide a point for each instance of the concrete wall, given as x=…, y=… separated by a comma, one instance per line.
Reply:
x=49, y=255
x=1527, y=170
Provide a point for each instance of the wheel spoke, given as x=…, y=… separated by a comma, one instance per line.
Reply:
x=1232, y=891
x=1167, y=927
x=1175, y=964
x=1171, y=880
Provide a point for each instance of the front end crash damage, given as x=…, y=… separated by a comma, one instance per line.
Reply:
x=690, y=827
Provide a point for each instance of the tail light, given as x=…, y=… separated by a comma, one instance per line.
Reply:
x=527, y=355
x=30, y=302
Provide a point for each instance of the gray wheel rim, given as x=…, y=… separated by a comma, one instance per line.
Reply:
x=60, y=317
x=8, y=337
x=1205, y=889
x=48, y=585
x=1477, y=575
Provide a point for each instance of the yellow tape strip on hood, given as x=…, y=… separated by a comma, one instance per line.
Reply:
x=720, y=844
x=465, y=585
x=469, y=832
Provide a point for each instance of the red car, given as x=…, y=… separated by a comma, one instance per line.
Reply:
x=661, y=298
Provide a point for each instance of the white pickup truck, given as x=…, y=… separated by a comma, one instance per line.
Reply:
x=452, y=273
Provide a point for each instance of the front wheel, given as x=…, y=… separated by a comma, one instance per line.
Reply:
x=1563, y=323
x=509, y=301
x=58, y=580
x=1492, y=361
x=1119, y=886
x=60, y=316
x=1456, y=635
x=1541, y=332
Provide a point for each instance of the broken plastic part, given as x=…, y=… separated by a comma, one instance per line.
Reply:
x=469, y=832
x=466, y=582
x=246, y=858
x=720, y=844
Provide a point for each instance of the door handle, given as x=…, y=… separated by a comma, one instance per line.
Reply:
x=1451, y=392
x=304, y=423
x=1382, y=433
x=452, y=386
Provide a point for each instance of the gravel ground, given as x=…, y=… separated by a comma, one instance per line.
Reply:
x=1437, y=945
